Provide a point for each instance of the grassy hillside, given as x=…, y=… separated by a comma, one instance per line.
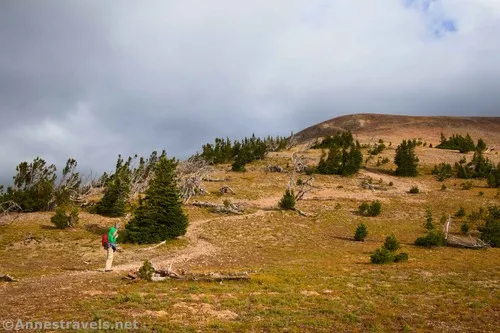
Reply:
x=393, y=127
x=307, y=273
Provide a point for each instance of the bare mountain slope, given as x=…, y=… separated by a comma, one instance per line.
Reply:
x=391, y=127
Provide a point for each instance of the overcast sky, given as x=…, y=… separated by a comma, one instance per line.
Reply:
x=92, y=79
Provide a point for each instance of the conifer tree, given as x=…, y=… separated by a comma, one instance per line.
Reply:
x=33, y=187
x=117, y=191
x=159, y=216
x=406, y=159
x=361, y=232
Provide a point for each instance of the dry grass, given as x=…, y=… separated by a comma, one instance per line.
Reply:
x=307, y=273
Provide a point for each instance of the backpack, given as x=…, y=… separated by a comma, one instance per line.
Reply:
x=104, y=241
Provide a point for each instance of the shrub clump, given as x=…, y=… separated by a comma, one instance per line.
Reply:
x=382, y=256
x=361, y=232
x=460, y=212
x=442, y=171
x=288, y=200
x=386, y=253
x=432, y=239
x=490, y=232
x=464, y=228
x=372, y=209
x=391, y=243
x=414, y=190
x=146, y=271
x=400, y=257
x=64, y=219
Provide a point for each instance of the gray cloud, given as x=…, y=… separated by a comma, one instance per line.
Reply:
x=92, y=79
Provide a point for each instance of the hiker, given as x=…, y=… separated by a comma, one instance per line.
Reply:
x=111, y=245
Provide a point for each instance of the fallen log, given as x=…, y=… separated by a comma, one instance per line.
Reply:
x=155, y=246
x=226, y=190
x=158, y=275
x=218, y=208
x=462, y=242
x=215, y=180
x=7, y=278
x=466, y=243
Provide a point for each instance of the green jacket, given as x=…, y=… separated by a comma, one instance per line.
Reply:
x=111, y=235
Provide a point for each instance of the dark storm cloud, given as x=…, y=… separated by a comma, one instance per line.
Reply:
x=92, y=79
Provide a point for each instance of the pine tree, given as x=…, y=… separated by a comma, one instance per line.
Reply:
x=117, y=191
x=288, y=200
x=33, y=187
x=361, y=232
x=428, y=219
x=406, y=159
x=159, y=215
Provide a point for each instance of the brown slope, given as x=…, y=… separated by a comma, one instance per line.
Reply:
x=368, y=127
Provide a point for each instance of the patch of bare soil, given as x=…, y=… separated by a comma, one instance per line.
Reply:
x=202, y=311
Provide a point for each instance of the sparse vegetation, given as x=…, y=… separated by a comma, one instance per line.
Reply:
x=428, y=219
x=460, y=143
x=146, y=271
x=372, y=209
x=464, y=228
x=382, y=256
x=386, y=254
x=323, y=275
x=490, y=232
x=414, y=190
x=361, y=232
x=442, y=171
x=391, y=243
x=460, y=212
x=431, y=239
x=467, y=185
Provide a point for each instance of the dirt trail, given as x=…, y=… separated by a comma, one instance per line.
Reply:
x=198, y=246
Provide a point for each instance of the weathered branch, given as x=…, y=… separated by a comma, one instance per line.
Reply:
x=6, y=208
x=462, y=242
x=226, y=190
x=227, y=207
x=155, y=246
x=191, y=174
x=164, y=274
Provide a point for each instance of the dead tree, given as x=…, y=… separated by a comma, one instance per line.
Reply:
x=303, y=187
x=274, y=168
x=300, y=188
x=92, y=185
x=226, y=190
x=462, y=242
x=299, y=162
x=191, y=174
x=6, y=210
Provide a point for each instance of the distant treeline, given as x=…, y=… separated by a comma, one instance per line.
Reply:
x=37, y=187
x=461, y=143
x=241, y=152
